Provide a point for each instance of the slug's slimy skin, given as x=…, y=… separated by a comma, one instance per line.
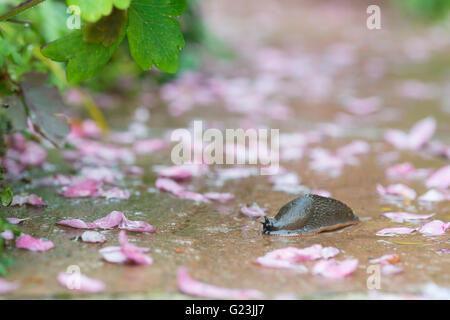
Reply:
x=309, y=214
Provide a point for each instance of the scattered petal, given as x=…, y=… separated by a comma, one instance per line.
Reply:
x=115, y=193
x=389, y=269
x=434, y=195
x=333, y=269
x=7, y=287
x=136, y=226
x=386, y=259
x=418, y=136
x=434, y=228
x=439, y=179
x=394, y=231
x=290, y=257
x=32, y=200
x=132, y=252
x=87, y=188
x=16, y=220
x=80, y=282
x=7, y=235
x=113, y=219
x=253, y=211
x=148, y=146
x=219, y=197
x=193, y=287
x=405, y=216
x=28, y=242
x=93, y=237
x=397, y=190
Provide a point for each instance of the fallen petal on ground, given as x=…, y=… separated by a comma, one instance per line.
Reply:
x=93, y=236
x=80, y=282
x=335, y=270
x=27, y=242
x=434, y=228
x=395, y=231
x=253, y=211
x=7, y=287
x=405, y=216
x=31, y=199
x=193, y=287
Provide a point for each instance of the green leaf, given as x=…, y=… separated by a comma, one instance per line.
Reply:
x=45, y=108
x=84, y=59
x=107, y=30
x=5, y=262
x=6, y=197
x=93, y=10
x=154, y=36
x=16, y=112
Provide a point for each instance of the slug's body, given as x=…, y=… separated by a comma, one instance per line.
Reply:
x=309, y=214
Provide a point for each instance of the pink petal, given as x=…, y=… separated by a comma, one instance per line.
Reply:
x=254, y=211
x=132, y=252
x=397, y=190
x=354, y=148
x=87, y=188
x=192, y=287
x=389, y=269
x=115, y=193
x=134, y=170
x=421, y=133
x=400, y=170
x=75, y=223
x=333, y=269
x=269, y=262
x=397, y=138
x=7, y=235
x=91, y=129
x=403, y=216
x=220, y=197
x=362, y=106
x=80, y=282
x=182, y=172
x=33, y=155
x=136, y=226
x=185, y=194
x=439, y=179
x=28, y=242
x=148, y=146
x=434, y=195
x=113, y=219
x=93, y=237
x=394, y=231
x=418, y=136
x=290, y=257
x=100, y=174
x=434, y=228
x=16, y=220
x=168, y=185
x=113, y=254
x=386, y=259
x=321, y=192
x=7, y=287
x=32, y=199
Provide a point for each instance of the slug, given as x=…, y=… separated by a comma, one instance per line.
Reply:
x=309, y=214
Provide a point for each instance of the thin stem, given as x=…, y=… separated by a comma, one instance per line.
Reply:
x=20, y=8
